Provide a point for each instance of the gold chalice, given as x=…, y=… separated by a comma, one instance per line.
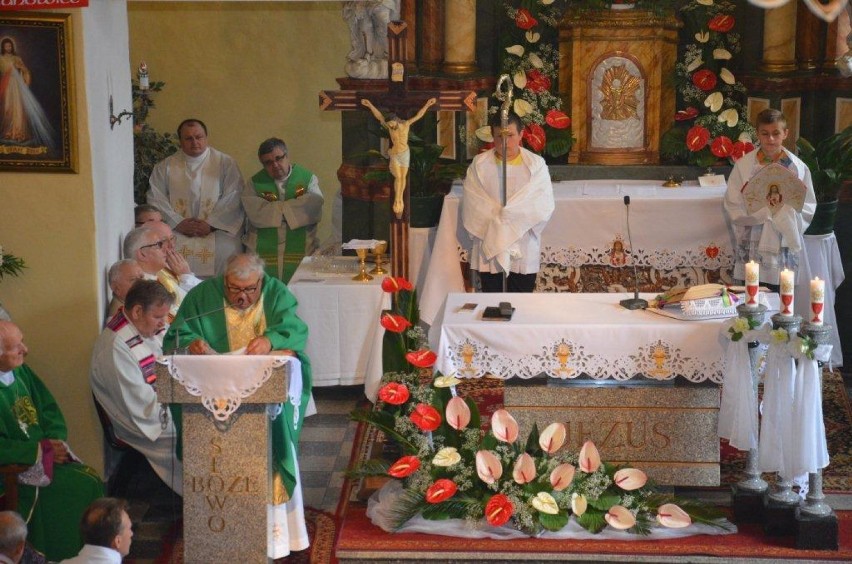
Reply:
x=362, y=275
x=379, y=250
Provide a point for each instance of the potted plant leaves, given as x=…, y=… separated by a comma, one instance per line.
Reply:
x=830, y=162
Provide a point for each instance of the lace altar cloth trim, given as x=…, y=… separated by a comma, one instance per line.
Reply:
x=566, y=359
x=225, y=382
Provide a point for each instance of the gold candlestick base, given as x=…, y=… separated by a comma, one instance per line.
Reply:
x=362, y=276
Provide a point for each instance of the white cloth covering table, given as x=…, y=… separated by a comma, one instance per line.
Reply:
x=564, y=335
x=822, y=258
x=344, y=334
x=671, y=227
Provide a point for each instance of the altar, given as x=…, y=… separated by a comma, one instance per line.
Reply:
x=680, y=237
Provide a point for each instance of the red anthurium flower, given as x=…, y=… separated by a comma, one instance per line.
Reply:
x=741, y=148
x=426, y=417
x=439, y=491
x=696, y=138
x=722, y=23
x=405, y=466
x=422, y=358
x=525, y=20
x=498, y=510
x=534, y=137
x=537, y=81
x=704, y=79
x=557, y=119
x=722, y=147
x=687, y=114
x=395, y=284
x=395, y=323
x=394, y=393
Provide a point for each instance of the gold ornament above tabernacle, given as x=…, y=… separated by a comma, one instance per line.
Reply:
x=619, y=89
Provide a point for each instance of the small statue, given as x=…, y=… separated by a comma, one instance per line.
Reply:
x=399, y=153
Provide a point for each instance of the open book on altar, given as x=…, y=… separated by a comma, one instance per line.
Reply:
x=705, y=301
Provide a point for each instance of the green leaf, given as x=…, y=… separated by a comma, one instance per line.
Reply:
x=373, y=467
x=553, y=522
x=604, y=502
x=592, y=520
x=533, y=448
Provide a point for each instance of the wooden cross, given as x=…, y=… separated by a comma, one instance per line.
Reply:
x=400, y=101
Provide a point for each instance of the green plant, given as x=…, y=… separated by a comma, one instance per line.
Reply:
x=149, y=145
x=830, y=161
x=10, y=265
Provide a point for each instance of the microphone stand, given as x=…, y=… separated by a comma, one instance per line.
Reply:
x=635, y=302
x=504, y=94
x=186, y=320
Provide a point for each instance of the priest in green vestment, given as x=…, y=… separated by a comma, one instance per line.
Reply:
x=247, y=308
x=283, y=203
x=33, y=434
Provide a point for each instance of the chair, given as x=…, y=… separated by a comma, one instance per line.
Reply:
x=120, y=459
x=9, y=500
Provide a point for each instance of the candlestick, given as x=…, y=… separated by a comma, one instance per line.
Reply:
x=786, y=279
x=752, y=281
x=817, y=300
x=144, y=83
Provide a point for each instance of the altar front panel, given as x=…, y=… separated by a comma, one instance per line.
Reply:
x=564, y=336
x=680, y=237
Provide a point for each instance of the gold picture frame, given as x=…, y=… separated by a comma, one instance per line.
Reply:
x=37, y=118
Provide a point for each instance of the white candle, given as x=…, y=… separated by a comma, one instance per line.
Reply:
x=752, y=281
x=787, y=278
x=144, y=83
x=817, y=300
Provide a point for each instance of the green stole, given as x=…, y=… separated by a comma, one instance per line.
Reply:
x=267, y=237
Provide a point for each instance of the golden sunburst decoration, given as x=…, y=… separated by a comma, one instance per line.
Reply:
x=619, y=89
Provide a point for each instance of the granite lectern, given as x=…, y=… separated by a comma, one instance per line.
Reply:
x=228, y=474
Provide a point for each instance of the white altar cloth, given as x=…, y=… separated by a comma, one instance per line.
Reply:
x=564, y=335
x=822, y=258
x=671, y=227
x=344, y=334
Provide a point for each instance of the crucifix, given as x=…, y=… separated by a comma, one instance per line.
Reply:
x=398, y=101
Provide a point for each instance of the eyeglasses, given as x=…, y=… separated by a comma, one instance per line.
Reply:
x=159, y=244
x=243, y=290
x=274, y=160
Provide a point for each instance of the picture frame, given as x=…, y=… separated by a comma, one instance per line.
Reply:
x=37, y=117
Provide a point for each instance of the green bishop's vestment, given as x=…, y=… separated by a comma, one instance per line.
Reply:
x=29, y=414
x=284, y=330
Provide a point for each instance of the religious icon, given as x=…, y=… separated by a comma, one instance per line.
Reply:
x=619, y=89
x=617, y=256
x=774, y=198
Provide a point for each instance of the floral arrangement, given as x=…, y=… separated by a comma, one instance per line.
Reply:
x=532, y=61
x=451, y=468
x=10, y=265
x=712, y=123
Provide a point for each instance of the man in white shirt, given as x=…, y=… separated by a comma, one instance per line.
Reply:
x=13, y=537
x=198, y=192
x=107, y=531
x=507, y=238
x=121, y=277
x=123, y=377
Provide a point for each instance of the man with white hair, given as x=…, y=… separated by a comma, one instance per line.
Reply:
x=13, y=537
x=121, y=277
x=246, y=308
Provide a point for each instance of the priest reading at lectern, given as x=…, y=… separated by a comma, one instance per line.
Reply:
x=246, y=310
x=507, y=239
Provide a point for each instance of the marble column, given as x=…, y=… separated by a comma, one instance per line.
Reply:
x=808, y=45
x=779, y=39
x=460, y=37
x=408, y=14
x=432, y=35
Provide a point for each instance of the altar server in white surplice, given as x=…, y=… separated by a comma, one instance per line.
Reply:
x=507, y=239
x=198, y=192
x=123, y=376
x=771, y=236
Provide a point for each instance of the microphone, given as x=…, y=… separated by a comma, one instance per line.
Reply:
x=185, y=320
x=635, y=302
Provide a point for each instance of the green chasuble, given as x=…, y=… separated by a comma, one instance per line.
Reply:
x=267, y=237
x=29, y=414
x=284, y=330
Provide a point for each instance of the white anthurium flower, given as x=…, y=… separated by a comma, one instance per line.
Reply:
x=450, y=381
x=535, y=60
x=727, y=76
x=552, y=438
x=545, y=503
x=619, y=517
x=702, y=36
x=721, y=54
x=744, y=137
x=694, y=64
x=522, y=107
x=485, y=135
x=671, y=516
x=532, y=36
x=729, y=116
x=578, y=504
x=705, y=2
x=546, y=2
x=520, y=79
x=447, y=456
x=516, y=50
x=714, y=101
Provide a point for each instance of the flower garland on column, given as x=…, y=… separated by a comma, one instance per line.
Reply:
x=712, y=122
x=532, y=60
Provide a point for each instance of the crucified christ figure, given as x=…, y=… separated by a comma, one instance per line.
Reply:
x=399, y=153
